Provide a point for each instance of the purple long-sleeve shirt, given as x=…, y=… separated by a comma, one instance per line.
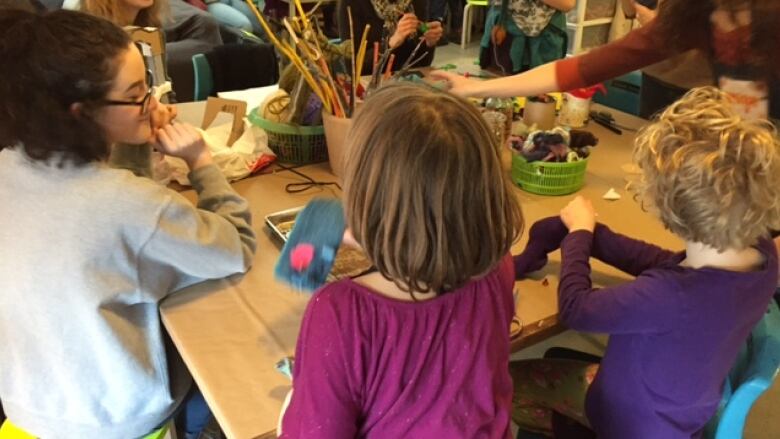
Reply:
x=674, y=331
x=370, y=366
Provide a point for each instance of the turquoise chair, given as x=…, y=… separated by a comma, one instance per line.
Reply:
x=751, y=376
x=204, y=79
x=465, y=36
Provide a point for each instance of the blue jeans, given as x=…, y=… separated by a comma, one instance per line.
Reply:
x=192, y=416
x=229, y=16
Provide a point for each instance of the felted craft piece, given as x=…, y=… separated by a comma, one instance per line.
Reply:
x=581, y=141
x=548, y=146
x=276, y=107
x=310, y=251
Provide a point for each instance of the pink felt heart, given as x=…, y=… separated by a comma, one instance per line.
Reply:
x=301, y=256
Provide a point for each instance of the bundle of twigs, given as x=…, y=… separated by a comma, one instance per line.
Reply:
x=306, y=54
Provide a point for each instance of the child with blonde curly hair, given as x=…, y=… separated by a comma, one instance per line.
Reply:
x=713, y=178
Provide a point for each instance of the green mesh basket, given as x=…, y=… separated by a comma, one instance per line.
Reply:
x=547, y=178
x=293, y=143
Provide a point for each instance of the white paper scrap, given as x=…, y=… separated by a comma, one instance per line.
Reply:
x=611, y=195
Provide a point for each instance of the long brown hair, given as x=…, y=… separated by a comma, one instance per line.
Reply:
x=425, y=194
x=153, y=16
x=683, y=23
x=60, y=58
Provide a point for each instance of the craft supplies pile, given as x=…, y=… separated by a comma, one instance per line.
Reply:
x=323, y=76
x=555, y=145
x=558, y=144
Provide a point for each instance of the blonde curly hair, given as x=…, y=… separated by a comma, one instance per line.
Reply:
x=713, y=176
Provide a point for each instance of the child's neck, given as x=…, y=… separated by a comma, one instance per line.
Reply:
x=698, y=255
x=376, y=282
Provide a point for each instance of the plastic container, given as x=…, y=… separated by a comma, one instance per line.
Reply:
x=504, y=106
x=293, y=143
x=548, y=178
x=574, y=112
x=496, y=122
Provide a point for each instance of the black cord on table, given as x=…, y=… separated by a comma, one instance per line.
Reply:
x=294, y=188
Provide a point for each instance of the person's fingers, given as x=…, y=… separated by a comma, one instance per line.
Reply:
x=175, y=133
x=193, y=135
x=179, y=128
x=435, y=35
x=408, y=28
x=164, y=141
x=441, y=74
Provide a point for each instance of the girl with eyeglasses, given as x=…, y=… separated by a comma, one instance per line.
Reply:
x=88, y=250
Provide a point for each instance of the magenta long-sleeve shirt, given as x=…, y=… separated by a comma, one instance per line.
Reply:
x=370, y=366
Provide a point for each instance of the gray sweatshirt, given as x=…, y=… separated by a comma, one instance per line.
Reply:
x=86, y=254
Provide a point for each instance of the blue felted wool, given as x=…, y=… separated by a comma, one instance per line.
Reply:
x=310, y=251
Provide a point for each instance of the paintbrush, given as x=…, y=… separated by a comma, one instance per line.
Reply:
x=375, y=80
x=360, y=58
x=376, y=58
x=389, y=68
x=410, y=61
x=338, y=90
x=353, y=91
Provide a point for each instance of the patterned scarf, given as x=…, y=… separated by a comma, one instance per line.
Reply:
x=390, y=11
x=530, y=16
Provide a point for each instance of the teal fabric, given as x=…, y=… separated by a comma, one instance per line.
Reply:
x=528, y=52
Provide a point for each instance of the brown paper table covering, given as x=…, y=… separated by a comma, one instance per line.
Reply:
x=231, y=332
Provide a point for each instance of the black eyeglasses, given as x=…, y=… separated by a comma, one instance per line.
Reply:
x=143, y=103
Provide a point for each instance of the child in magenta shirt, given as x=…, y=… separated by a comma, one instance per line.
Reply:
x=420, y=348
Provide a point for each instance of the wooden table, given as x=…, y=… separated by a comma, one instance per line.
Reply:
x=231, y=332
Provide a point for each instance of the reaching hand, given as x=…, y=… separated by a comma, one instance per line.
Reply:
x=183, y=141
x=458, y=85
x=644, y=14
x=544, y=237
x=579, y=215
x=434, y=33
x=406, y=27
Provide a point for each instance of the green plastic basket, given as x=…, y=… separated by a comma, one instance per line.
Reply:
x=548, y=178
x=293, y=143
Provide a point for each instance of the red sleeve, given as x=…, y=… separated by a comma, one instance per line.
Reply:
x=639, y=48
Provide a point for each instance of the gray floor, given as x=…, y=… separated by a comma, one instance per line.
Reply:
x=762, y=422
